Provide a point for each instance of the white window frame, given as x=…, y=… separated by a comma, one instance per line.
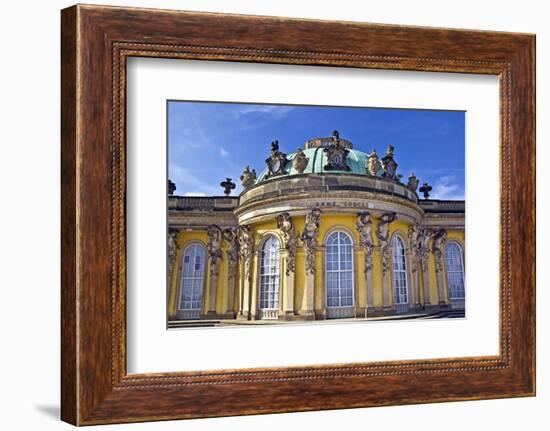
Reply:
x=193, y=312
x=461, y=271
x=339, y=271
x=269, y=307
x=399, y=243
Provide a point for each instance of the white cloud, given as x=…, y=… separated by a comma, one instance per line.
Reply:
x=223, y=152
x=446, y=187
x=192, y=194
x=277, y=111
x=187, y=181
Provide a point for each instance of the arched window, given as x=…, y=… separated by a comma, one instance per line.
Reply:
x=269, y=279
x=339, y=275
x=455, y=270
x=192, y=281
x=400, y=282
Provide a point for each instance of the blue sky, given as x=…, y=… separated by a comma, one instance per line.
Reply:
x=208, y=142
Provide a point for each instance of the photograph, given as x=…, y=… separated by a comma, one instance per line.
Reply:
x=285, y=214
x=278, y=210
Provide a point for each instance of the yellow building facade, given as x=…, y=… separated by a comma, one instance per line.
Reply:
x=326, y=232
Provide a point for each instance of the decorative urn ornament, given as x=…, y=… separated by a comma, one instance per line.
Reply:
x=248, y=177
x=425, y=190
x=228, y=185
x=300, y=161
x=412, y=184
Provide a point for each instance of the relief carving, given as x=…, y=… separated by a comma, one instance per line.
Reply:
x=284, y=223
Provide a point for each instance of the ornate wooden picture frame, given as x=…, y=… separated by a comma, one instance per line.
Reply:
x=96, y=42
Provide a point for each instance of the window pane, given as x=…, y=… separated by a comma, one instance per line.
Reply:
x=400, y=282
x=192, y=283
x=455, y=270
x=269, y=278
x=339, y=270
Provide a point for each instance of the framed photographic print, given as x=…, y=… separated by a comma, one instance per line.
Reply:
x=281, y=206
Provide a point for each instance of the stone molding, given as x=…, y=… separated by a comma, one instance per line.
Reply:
x=325, y=182
x=341, y=202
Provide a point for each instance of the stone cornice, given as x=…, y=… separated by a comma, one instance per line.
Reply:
x=345, y=202
x=325, y=182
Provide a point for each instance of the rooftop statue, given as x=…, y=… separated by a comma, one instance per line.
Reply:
x=389, y=164
x=373, y=165
x=171, y=187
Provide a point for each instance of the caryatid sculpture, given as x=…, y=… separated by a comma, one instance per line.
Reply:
x=232, y=238
x=284, y=223
x=246, y=244
x=424, y=238
x=414, y=241
x=438, y=243
x=439, y=239
x=384, y=239
x=172, y=250
x=309, y=238
x=214, y=247
x=363, y=225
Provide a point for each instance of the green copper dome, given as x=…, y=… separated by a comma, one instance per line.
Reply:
x=317, y=162
x=329, y=155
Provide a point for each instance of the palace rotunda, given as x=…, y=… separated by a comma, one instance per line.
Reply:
x=325, y=232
